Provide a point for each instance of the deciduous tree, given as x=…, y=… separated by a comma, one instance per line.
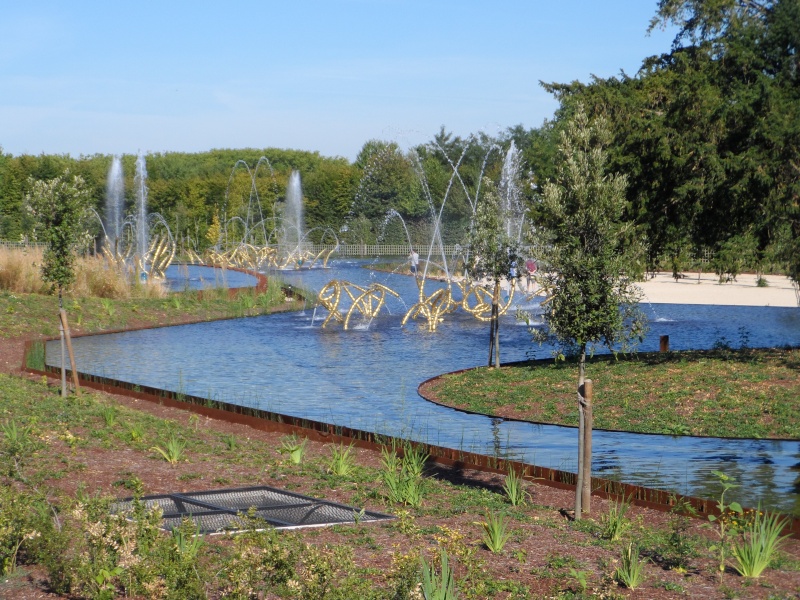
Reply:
x=591, y=256
x=493, y=255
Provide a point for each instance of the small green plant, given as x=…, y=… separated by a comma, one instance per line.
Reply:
x=679, y=545
x=230, y=441
x=630, y=572
x=580, y=579
x=761, y=538
x=136, y=432
x=17, y=445
x=172, y=451
x=131, y=482
x=194, y=421
x=109, y=414
x=514, y=488
x=615, y=523
x=176, y=301
x=108, y=306
x=187, y=539
x=16, y=439
x=414, y=459
x=403, y=476
x=495, y=531
x=435, y=586
x=294, y=447
x=341, y=461
x=728, y=515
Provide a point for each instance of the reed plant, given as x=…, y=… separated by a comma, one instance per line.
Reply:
x=341, y=461
x=514, y=488
x=136, y=431
x=615, y=523
x=495, y=531
x=294, y=448
x=20, y=272
x=109, y=414
x=403, y=475
x=172, y=450
x=438, y=586
x=35, y=357
x=760, y=540
x=630, y=572
x=230, y=441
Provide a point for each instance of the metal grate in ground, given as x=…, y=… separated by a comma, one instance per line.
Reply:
x=218, y=511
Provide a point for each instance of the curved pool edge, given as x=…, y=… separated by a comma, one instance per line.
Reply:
x=551, y=424
x=657, y=499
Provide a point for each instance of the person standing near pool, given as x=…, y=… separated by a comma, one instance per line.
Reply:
x=414, y=257
x=530, y=269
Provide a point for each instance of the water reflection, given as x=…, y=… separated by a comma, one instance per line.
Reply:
x=367, y=378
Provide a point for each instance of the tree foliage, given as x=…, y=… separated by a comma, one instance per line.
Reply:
x=592, y=255
x=493, y=255
x=708, y=133
x=60, y=207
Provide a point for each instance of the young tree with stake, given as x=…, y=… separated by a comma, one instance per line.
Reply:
x=591, y=258
x=60, y=207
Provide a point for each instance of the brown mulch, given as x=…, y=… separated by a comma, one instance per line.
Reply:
x=537, y=543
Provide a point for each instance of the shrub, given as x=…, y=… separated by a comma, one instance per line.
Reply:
x=16, y=525
x=262, y=559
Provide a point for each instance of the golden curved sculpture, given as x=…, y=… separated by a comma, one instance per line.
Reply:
x=432, y=307
x=477, y=301
x=366, y=301
x=158, y=257
x=248, y=256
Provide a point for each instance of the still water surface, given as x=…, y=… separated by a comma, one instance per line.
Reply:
x=367, y=378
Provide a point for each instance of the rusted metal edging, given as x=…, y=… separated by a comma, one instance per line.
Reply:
x=458, y=459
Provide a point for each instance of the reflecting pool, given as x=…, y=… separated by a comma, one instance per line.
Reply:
x=367, y=377
x=182, y=277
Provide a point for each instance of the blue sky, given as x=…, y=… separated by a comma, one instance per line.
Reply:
x=87, y=77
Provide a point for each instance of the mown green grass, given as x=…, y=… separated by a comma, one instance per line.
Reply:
x=727, y=393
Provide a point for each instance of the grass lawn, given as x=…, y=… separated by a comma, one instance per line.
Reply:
x=34, y=315
x=728, y=393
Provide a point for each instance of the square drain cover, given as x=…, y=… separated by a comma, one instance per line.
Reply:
x=218, y=511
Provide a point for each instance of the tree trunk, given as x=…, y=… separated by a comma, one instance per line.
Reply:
x=491, y=337
x=581, y=433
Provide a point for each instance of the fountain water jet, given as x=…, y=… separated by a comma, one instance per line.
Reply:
x=115, y=198
x=293, y=221
x=142, y=229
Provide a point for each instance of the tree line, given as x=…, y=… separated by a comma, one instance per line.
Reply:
x=708, y=136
